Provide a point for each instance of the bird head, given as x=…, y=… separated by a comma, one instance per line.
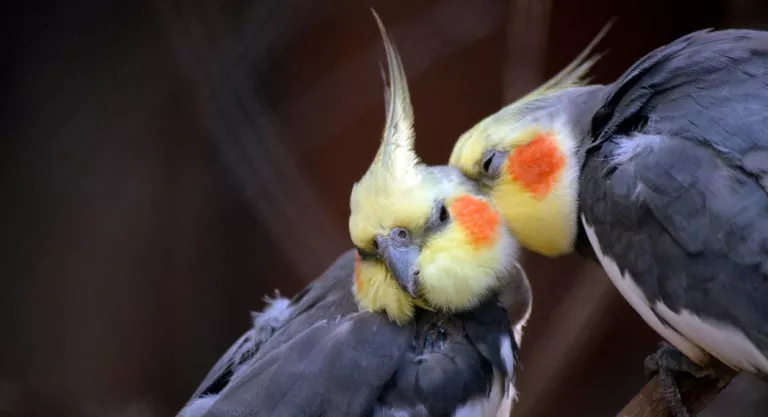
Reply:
x=425, y=236
x=527, y=156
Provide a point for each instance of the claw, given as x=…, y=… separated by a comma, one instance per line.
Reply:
x=666, y=362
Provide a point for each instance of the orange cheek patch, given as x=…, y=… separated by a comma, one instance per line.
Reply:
x=358, y=281
x=476, y=218
x=536, y=165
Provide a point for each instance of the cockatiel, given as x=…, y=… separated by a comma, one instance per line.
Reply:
x=379, y=333
x=664, y=175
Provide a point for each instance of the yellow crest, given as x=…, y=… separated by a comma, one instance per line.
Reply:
x=394, y=176
x=490, y=131
x=574, y=74
x=535, y=179
x=396, y=156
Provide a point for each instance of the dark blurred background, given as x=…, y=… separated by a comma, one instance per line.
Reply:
x=166, y=164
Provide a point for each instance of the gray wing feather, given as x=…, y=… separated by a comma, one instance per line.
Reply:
x=457, y=359
x=706, y=86
x=334, y=368
x=327, y=296
x=330, y=359
x=226, y=365
x=679, y=168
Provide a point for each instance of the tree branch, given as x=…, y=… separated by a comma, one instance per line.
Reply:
x=697, y=393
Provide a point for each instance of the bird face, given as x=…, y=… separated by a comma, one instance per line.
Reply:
x=443, y=245
x=530, y=171
x=527, y=157
x=425, y=236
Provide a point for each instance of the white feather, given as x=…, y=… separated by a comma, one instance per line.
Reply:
x=198, y=406
x=722, y=341
x=485, y=407
x=507, y=355
x=696, y=337
x=506, y=404
x=497, y=404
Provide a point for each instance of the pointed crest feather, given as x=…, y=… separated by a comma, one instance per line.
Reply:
x=396, y=157
x=573, y=75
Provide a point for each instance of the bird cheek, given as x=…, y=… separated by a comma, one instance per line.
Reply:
x=476, y=219
x=537, y=165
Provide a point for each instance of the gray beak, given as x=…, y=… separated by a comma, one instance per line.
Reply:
x=400, y=254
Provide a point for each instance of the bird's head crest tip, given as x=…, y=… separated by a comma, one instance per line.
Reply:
x=396, y=151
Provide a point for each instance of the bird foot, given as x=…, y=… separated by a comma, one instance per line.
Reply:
x=668, y=362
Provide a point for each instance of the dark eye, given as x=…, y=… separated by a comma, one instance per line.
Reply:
x=487, y=163
x=402, y=234
x=443, y=216
x=492, y=163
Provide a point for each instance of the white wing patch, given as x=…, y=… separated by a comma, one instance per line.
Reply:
x=724, y=342
x=507, y=355
x=198, y=406
x=497, y=404
x=506, y=404
x=635, y=297
x=698, y=337
x=489, y=406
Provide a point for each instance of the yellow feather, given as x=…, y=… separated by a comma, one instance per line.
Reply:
x=392, y=180
x=399, y=191
x=546, y=226
x=396, y=155
x=379, y=292
x=469, y=148
x=468, y=274
x=573, y=75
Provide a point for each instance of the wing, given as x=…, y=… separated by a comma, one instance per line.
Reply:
x=462, y=361
x=707, y=87
x=676, y=179
x=327, y=296
x=336, y=367
x=221, y=372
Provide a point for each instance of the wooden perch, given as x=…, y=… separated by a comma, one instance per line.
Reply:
x=696, y=393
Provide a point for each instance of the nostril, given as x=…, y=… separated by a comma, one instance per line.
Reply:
x=415, y=272
x=378, y=243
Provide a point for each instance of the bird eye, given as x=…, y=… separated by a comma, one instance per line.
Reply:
x=402, y=234
x=491, y=164
x=487, y=163
x=443, y=214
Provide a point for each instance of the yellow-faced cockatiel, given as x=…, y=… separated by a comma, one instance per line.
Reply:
x=663, y=174
x=406, y=324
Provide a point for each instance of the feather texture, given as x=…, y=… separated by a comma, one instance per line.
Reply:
x=674, y=186
x=329, y=358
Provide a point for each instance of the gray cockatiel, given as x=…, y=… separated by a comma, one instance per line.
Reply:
x=329, y=358
x=661, y=176
x=367, y=338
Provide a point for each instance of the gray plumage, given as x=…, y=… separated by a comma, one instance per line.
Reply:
x=264, y=325
x=674, y=183
x=329, y=359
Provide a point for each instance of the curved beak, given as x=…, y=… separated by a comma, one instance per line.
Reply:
x=401, y=261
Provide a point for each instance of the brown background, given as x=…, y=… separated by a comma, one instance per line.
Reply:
x=165, y=164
